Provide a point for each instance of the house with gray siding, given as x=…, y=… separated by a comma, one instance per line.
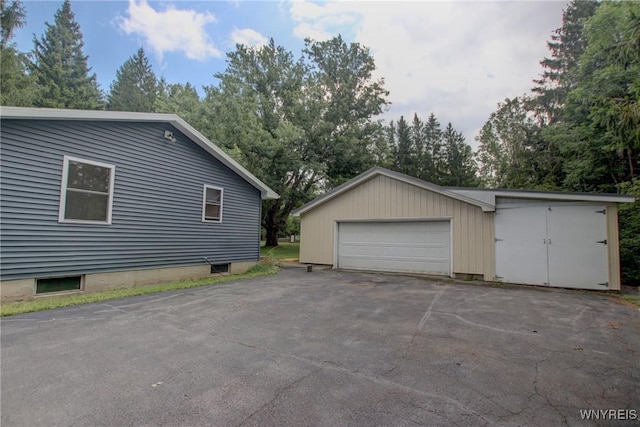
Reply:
x=93, y=200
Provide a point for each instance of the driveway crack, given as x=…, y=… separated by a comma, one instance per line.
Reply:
x=279, y=393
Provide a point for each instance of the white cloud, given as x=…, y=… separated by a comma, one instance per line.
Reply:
x=320, y=22
x=455, y=59
x=248, y=37
x=171, y=30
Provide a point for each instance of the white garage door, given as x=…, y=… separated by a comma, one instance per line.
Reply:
x=416, y=247
x=562, y=246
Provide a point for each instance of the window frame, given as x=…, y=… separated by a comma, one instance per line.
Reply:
x=204, y=202
x=37, y=294
x=63, y=191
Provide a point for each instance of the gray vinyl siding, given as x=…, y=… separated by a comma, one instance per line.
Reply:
x=157, y=201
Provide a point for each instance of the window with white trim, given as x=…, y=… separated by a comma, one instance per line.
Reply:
x=86, y=194
x=212, y=204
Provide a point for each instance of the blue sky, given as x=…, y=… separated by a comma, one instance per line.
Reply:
x=456, y=59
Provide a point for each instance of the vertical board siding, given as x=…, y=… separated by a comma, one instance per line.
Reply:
x=613, y=246
x=384, y=197
x=157, y=201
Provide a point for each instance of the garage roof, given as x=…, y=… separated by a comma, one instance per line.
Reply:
x=376, y=171
x=125, y=116
x=483, y=198
x=490, y=195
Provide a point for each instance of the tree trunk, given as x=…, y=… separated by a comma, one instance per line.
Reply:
x=271, y=223
x=272, y=237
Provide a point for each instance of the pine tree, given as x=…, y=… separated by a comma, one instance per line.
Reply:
x=403, y=150
x=567, y=45
x=135, y=87
x=460, y=166
x=60, y=68
x=16, y=85
x=12, y=17
x=434, y=156
x=181, y=99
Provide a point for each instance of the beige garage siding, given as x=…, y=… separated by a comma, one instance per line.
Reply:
x=383, y=197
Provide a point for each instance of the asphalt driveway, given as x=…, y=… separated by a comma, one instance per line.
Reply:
x=324, y=348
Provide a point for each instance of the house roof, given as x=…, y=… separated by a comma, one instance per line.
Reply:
x=378, y=171
x=121, y=116
x=483, y=198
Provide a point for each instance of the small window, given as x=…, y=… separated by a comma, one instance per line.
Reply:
x=219, y=268
x=58, y=284
x=87, y=191
x=212, y=204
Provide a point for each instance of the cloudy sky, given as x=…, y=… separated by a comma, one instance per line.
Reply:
x=457, y=59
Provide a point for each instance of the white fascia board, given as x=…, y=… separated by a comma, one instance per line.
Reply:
x=224, y=158
x=98, y=115
x=486, y=207
x=125, y=116
x=604, y=198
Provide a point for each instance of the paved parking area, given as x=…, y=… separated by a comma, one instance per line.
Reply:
x=324, y=348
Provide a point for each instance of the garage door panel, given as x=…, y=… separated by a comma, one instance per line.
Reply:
x=576, y=259
x=395, y=246
x=521, y=252
x=556, y=245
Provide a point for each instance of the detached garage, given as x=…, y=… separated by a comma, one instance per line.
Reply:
x=387, y=221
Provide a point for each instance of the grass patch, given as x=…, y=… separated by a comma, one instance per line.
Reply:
x=632, y=298
x=284, y=250
x=19, y=307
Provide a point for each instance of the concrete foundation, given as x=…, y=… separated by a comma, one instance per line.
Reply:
x=24, y=289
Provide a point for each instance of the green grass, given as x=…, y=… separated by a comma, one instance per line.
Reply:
x=11, y=308
x=282, y=251
x=632, y=298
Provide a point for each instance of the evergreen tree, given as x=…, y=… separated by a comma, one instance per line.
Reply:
x=135, y=87
x=60, y=68
x=422, y=159
x=16, y=85
x=567, y=45
x=433, y=148
x=600, y=135
x=460, y=166
x=404, y=152
x=181, y=99
x=12, y=17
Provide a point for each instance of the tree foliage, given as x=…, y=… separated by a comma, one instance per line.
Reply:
x=298, y=124
x=425, y=151
x=59, y=66
x=512, y=152
x=16, y=85
x=12, y=17
x=581, y=129
x=567, y=45
x=181, y=99
x=135, y=87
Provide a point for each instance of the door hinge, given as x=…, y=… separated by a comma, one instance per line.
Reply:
x=605, y=284
x=497, y=240
x=602, y=241
x=603, y=211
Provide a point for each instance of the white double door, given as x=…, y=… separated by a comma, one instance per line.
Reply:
x=562, y=246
